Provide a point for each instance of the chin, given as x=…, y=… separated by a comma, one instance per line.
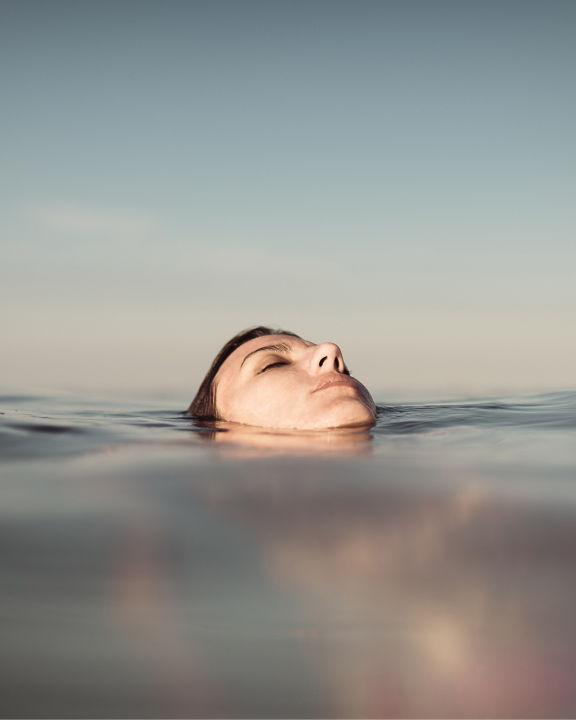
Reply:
x=347, y=414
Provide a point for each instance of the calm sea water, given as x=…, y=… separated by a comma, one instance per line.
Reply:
x=153, y=568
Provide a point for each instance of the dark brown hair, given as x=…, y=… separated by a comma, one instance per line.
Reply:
x=203, y=406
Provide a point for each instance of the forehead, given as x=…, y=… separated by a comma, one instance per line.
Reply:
x=235, y=359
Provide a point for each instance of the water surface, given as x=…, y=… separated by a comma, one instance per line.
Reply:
x=154, y=568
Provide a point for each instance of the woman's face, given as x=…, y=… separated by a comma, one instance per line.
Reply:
x=281, y=381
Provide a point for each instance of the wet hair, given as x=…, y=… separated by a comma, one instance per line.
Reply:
x=203, y=407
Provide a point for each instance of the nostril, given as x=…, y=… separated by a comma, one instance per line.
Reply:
x=322, y=361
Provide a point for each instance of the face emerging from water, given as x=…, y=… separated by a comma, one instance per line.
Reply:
x=281, y=381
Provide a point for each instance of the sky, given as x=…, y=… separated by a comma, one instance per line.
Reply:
x=395, y=176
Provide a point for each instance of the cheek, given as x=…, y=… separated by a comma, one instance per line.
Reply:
x=271, y=391
x=259, y=398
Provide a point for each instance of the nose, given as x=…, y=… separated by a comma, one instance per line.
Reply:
x=326, y=358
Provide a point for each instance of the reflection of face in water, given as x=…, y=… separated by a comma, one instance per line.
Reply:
x=235, y=440
x=282, y=381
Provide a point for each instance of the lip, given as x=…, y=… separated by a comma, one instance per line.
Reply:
x=334, y=379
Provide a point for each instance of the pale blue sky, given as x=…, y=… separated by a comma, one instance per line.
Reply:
x=396, y=176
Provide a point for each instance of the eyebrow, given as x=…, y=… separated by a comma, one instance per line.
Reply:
x=281, y=348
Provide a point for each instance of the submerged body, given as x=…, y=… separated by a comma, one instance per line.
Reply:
x=276, y=379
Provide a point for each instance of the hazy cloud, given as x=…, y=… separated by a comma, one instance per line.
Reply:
x=71, y=219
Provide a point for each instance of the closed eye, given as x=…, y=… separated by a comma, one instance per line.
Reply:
x=272, y=365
